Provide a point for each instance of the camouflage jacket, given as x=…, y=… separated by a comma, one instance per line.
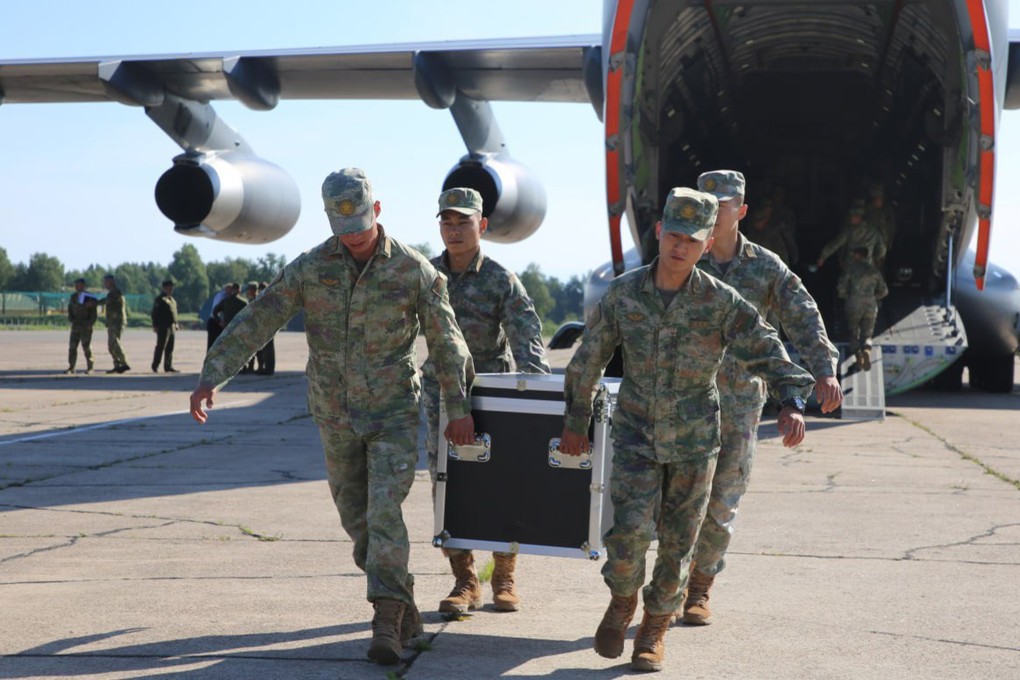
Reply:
x=776, y=292
x=496, y=316
x=164, y=311
x=774, y=237
x=862, y=285
x=864, y=235
x=670, y=359
x=361, y=327
x=82, y=313
x=116, y=307
x=884, y=220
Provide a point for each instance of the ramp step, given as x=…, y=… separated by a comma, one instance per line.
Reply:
x=863, y=391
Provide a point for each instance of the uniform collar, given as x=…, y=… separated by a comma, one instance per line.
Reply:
x=692, y=285
x=475, y=265
x=383, y=247
x=744, y=251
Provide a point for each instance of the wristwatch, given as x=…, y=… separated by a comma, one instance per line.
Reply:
x=796, y=403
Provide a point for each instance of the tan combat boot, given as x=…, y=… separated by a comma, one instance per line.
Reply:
x=467, y=591
x=649, y=650
x=504, y=596
x=613, y=629
x=385, y=647
x=696, y=611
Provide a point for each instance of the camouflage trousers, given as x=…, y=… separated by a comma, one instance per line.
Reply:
x=369, y=478
x=862, y=325
x=430, y=396
x=646, y=493
x=80, y=333
x=113, y=334
x=738, y=438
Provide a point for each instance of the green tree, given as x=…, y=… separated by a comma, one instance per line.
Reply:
x=132, y=278
x=44, y=273
x=266, y=268
x=538, y=291
x=229, y=270
x=570, y=303
x=192, y=283
x=6, y=270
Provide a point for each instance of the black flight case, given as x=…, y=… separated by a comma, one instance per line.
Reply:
x=513, y=491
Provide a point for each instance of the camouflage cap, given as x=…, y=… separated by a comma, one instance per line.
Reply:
x=347, y=195
x=460, y=199
x=690, y=212
x=723, y=184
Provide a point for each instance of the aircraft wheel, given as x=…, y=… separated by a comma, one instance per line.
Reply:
x=991, y=373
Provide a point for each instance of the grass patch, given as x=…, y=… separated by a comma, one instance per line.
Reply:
x=485, y=573
x=259, y=537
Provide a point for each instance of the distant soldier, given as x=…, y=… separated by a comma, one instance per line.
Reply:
x=776, y=293
x=862, y=286
x=212, y=324
x=674, y=323
x=786, y=219
x=226, y=309
x=116, y=314
x=501, y=328
x=82, y=313
x=164, y=325
x=856, y=233
x=767, y=232
x=881, y=216
x=365, y=297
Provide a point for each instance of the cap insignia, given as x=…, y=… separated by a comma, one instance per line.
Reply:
x=688, y=212
x=711, y=184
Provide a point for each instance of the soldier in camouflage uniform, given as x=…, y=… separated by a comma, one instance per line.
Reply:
x=770, y=233
x=881, y=216
x=365, y=297
x=116, y=314
x=674, y=324
x=81, y=312
x=862, y=286
x=856, y=232
x=776, y=292
x=501, y=328
x=164, y=325
x=785, y=217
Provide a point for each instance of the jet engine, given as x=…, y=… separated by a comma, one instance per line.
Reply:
x=513, y=198
x=228, y=196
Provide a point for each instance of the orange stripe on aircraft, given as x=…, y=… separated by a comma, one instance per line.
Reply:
x=614, y=84
x=986, y=104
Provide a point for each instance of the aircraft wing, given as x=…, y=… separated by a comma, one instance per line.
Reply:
x=527, y=69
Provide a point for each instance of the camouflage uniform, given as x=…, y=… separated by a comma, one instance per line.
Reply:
x=666, y=425
x=116, y=314
x=863, y=286
x=82, y=315
x=164, y=322
x=776, y=292
x=862, y=235
x=363, y=387
x=776, y=235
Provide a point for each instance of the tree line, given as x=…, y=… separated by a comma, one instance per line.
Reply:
x=555, y=301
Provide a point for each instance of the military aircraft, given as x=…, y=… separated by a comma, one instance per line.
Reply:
x=818, y=96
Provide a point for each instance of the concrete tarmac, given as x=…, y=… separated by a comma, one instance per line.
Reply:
x=135, y=543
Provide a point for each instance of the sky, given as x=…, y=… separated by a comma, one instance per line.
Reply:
x=77, y=180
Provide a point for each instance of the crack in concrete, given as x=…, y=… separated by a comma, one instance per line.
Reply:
x=962, y=643
x=910, y=554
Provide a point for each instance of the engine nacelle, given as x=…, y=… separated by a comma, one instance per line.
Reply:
x=228, y=196
x=513, y=199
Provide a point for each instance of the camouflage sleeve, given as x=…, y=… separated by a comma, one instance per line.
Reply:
x=523, y=328
x=881, y=289
x=601, y=337
x=251, y=329
x=803, y=324
x=448, y=351
x=756, y=346
x=833, y=245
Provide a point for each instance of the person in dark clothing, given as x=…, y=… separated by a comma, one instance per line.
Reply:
x=164, y=325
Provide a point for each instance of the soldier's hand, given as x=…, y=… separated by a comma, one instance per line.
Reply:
x=791, y=426
x=829, y=394
x=461, y=431
x=201, y=393
x=573, y=444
